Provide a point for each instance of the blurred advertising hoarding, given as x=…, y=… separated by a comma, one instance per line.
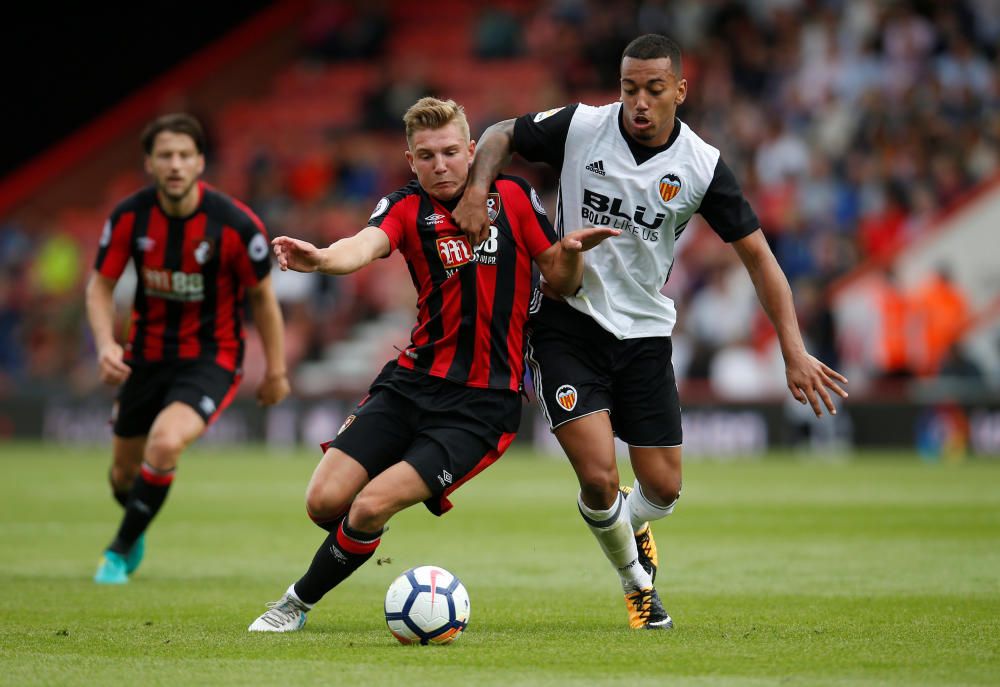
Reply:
x=723, y=431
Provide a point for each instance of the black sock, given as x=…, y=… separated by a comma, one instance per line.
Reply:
x=144, y=501
x=344, y=551
x=120, y=495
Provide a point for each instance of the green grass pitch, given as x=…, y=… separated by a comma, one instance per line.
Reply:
x=878, y=571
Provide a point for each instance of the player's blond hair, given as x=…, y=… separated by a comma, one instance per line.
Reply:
x=431, y=113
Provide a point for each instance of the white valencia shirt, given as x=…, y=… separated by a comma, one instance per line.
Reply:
x=607, y=179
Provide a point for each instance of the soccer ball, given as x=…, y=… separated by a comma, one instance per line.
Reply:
x=428, y=605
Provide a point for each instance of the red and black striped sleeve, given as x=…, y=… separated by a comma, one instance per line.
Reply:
x=252, y=254
x=392, y=213
x=524, y=204
x=115, y=246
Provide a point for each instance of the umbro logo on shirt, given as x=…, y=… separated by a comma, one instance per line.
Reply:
x=596, y=167
x=207, y=405
x=436, y=218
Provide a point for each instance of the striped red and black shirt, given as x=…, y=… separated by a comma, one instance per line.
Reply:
x=192, y=275
x=471, y=305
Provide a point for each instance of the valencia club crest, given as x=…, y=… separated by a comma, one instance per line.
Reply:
x=670, y=186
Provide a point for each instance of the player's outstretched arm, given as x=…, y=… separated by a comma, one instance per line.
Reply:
x=341, y=257
x=270, y=325
x=809, y=380
x=101, y=315
x=561, y=264
x=492, y=154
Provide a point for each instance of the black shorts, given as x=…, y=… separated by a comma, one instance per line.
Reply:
x=151, y=387
x=579, y=368
x=448, y=432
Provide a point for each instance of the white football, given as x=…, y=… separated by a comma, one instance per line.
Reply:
x=426, y=605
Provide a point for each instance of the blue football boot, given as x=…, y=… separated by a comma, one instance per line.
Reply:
x=112, y=570
x=134, y=557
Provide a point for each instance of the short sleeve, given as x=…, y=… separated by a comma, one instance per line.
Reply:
x=387, y=217
x=724, y=207
x=253, y=253
x=390, y=215
x=534, y=226
x=541, y=136
x=115, y=245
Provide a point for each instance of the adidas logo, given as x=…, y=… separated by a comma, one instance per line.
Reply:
x=596, y=167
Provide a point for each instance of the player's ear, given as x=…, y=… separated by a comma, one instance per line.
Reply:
x=682, y=90
x=409, y=161
x=201, y=164
x=147, y=163
x=472, y=149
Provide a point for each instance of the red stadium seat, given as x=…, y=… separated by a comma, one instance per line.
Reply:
x=442, y=39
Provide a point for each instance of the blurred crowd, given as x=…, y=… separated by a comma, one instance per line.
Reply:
x=851, y=124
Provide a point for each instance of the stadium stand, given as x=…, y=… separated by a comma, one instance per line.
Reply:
x=854, y=127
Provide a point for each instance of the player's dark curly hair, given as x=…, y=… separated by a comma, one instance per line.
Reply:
x=652, y=46
x=177, y=123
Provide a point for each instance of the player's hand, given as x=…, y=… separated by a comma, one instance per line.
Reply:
x=293, y=254
x=471, y=217
x=585, y=239
x=273, y=389
x=111, y=366
x=809, y=379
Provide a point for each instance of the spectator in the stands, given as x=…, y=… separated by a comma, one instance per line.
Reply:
x=353, y=30
x=941, y=314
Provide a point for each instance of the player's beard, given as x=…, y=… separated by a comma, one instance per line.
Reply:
x=176, y=197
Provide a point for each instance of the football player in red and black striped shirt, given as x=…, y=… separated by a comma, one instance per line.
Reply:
x=199, y=256
x=449, y=406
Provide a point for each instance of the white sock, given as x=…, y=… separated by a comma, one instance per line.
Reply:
x=291, y=592
x=641, y=510
x=614, y=533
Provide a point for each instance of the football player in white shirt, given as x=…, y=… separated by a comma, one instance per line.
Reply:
x=600, y=359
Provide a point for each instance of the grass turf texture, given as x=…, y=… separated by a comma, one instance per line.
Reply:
x=880, y=571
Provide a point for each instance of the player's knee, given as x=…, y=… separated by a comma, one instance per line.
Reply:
x=122, y=476
x=163, y=449
x=662, y=492
x=599, y=486
x=316, y=504
x=322, y=504
x=369, y=513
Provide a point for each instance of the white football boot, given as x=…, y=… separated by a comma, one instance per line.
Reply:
x=287, y=614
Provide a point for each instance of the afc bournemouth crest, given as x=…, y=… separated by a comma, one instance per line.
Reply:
x=202, y=249
x=493, y=206
x=566, y=397
x=347, y=423
x=670, y=186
